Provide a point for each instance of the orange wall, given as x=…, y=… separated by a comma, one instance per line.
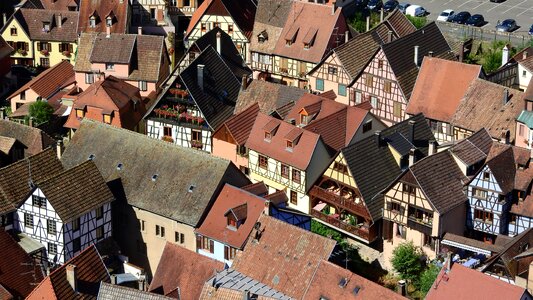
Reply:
x=228, y=151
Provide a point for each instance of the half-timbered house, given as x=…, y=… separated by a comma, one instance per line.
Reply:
x=387, y=80
x=163, y=191
x=68, y=212
x=341, y=67
x=346, y=196
x=286, y=157
x=203, y=98
x=438, y=91
x=234, y=17
x=425, y=202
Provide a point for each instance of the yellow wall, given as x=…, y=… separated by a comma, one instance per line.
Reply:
x=20, y=37
x=54, y=55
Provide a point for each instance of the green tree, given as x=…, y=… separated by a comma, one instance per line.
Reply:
x=40, y=111
x=323, y=230
x=428, y=277
x=406, y=260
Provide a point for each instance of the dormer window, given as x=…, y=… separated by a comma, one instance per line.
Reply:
x=46, y=26
x=309, y=38
x=109, y=66
x=236, y=216
x=92, y=21
x=268, y=136
x=109, y=21
x=80, y=113
x=270, y=129
x=290, y=37
x=108, y=118
x=262, y=37
x=13, y=31
x=292, y=138
x=289, y=146
x=303, y=119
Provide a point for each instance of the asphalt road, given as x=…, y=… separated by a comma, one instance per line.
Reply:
x=520, y=10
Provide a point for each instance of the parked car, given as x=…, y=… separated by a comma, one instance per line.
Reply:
x=507, y=25
x=475, y=20
x=415, y=11
x=390, y=5
x=375, y=4
x=445, y=15
x=530, y=32
x=460, y=18
x=497, y=1
x=403, y=6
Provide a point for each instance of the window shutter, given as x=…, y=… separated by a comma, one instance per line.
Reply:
x=211, y=246
x=39, y=47
x=198, y=242
x=389, y=206
x=70, y=48
x=226, y=252
x=26, y=46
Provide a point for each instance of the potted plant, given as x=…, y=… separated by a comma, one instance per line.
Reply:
x=66, y=53
x=22, y=52
x=45, y=52
x=167, y=138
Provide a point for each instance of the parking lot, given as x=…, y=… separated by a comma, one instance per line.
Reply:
x=520, y=10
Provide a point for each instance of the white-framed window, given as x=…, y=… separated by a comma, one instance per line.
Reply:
x=51, y=227
x=28, y=220
x=109, y=66
x=143, y=86
x=89, y=78
x=159, y=231
x=374, y=101
x=38, y=201
x=52, y=248
x=92, y=22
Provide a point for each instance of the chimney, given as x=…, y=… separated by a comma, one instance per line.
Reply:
x=461, y=51
x=107, y=32
x=432, y=147
x=200, y=76
x=505, y=96
x=31, y=122
x=2, y=113
x=505, y=55
x=412, y=156
x=59, y=20
x=401, y=287
x=346, y=36
x=411, y=136
x=381, y=15
x=244, y=83
x=377, y=136
x=367, y=23
x=448, y=262
x=524, y=54
x=416, y=56
x=139, y=30
x=246, y=295
x=71, y=276
x=389, y=36
x=333, y=7
x=430, y=53
x=4, y=18
x=59, y=148
x=266, y=209
x=142, y=284
x=219, y=43
x=113, y=279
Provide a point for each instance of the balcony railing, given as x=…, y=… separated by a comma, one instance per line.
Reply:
x=358, y=231
x=423, y=227
x=331, y=197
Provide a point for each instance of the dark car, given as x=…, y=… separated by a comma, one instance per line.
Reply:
x=375, y=4
x=476, y=20
x=461, y=17
x=507, y=25
x=530, y=32
x=390, y=5
x=497, y=1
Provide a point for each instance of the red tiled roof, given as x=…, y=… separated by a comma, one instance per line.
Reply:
x=285, y=257
x=18, y=272
x=240, y=125
x=302, y=152
x=301, y=28
x=258, y=188
x=103, y=8
x=329, y=94
x=5, y=294
x=215, y=224
x=464, y=283
x=90, y=271
x=326, y=284
x=182, y=267
x=313, y=104
x=59, y=4
x=50, y=81
x=440, y=86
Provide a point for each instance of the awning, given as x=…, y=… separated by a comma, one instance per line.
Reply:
x=320, y=206
x=465, y=247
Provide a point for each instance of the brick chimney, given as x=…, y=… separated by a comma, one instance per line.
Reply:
x=71, y=277
x=200, y=76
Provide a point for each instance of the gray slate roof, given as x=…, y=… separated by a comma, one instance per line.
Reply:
x=115, y=292
x=142, y=158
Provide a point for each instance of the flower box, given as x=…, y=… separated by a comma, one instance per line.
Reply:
x=66, y=53
x=167, y=138
x=22, y=52
x=197, y=144
x=45, y=52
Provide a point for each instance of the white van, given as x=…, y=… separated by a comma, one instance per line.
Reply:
x=415, y=11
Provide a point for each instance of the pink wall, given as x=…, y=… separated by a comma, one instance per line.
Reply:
x=522, y=140
x=31, y=96
x=228, y=151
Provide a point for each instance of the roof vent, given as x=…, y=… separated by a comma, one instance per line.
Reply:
x=91, y=157
x=154, y=177
x=191, y=188
x=119, y=166
x=356, y=290
x=343, y=282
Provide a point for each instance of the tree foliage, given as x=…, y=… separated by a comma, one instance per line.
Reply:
x=359, y=20
x=428, y=277
x=40, y=111
x=406, y=260
x=418, y=22
x=324, y=230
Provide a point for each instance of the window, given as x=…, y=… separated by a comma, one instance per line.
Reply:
x=512, y=219
x=109, y=66
x=484, y=216
x=167, y=131
x=143, y=86
x=263, y=161
x=28, y=221
x=342, y=90
x=521, y=130
x=289, y=146
x=380, y=64
x=65, y=47
x=51, y=227
x=14, y=31
x=401, y=232
x=100, y=212
x=231, y=222
x=38, y=201
x=409, y=189
x=304, y=119
x=80, y=113
x=230, y=28
x=319, y=84
x=216, y=24
x=76, y=245
x=486, y=176
x=44, y=46
x=374, y=102
x=185, y=2
x=358, y=97
x=76, y=224
x=241, y=150
x=296, y=176
x=203, y=27
x=479, y=193
x=294, y=197
x=387, y=85
x=142, y=224
x=52, y=248
x=332, y=70
x=45, y=62
x=92, y=22
x=196, y=135
x=107, y=119
x=159, y=231
x=46, y=26
x=182, y=238
x=340, y=167
x=285, y=171
x=367, y=126
x=369, y=80
x=229, y=253
x=176, y=237
x=99, y=232
x=524, y=72
x=284, y=65
x=108, y=21
x=89, y=78
x=397, y=109
x=395, y=206
x=428, y=240
x=205, y=243
x=152, y=13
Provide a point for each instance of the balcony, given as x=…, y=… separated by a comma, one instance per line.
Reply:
x=346, y=203
x=419, y=225
x=358, y=231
